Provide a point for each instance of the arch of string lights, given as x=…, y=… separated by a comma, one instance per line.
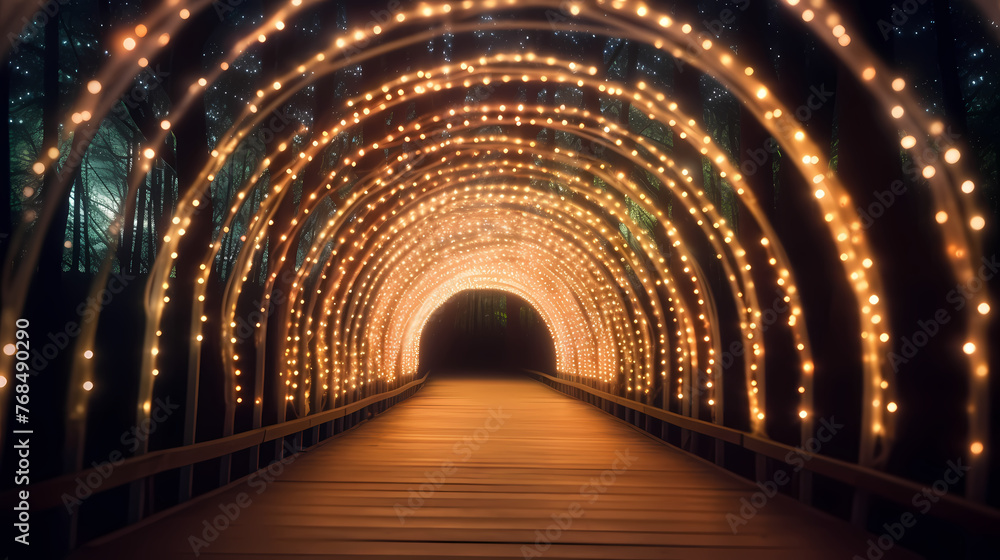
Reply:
x=455, y=209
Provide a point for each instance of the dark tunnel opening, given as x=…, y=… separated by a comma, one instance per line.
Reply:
x=486, y=330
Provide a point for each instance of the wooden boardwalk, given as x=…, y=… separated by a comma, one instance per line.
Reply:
x=486, y=467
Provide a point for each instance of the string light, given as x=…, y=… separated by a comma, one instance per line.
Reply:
x=458, y=209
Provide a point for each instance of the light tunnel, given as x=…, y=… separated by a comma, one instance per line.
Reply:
x=464, y=182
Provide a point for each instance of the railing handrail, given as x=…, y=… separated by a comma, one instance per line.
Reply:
x=48, y=493
x=900, y=490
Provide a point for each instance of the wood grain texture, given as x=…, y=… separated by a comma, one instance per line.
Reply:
x=492, y=466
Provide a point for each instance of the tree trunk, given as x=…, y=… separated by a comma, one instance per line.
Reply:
x=85, y=218
x=153, y=211
x=128, y=227
x=50, y=259
x=6, y=223
x=78, y=212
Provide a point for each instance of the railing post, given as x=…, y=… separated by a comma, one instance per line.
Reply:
x=73, y=461
x=191, y=405
x=253, y=460
x=225, y=469
x=279, y=448
x=137, y=501
x=805, y=486
x=760, y=467
x=859, y=508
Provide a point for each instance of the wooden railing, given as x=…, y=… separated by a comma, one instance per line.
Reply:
x=972, y=516
x=49, y=494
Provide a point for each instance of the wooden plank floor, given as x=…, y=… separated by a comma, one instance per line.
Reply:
x=507, y=468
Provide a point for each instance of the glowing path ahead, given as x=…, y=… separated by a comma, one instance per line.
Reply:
x=507, y=468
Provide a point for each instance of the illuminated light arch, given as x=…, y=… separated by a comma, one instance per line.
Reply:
x=636, y=20
x=655, y=312
x=456, y=262
x=416, y=201
x=845, y=205
x=693, y=209
x=590, y=322
x=754, y=391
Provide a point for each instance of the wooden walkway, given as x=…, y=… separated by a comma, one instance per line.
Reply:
x=486, y=467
